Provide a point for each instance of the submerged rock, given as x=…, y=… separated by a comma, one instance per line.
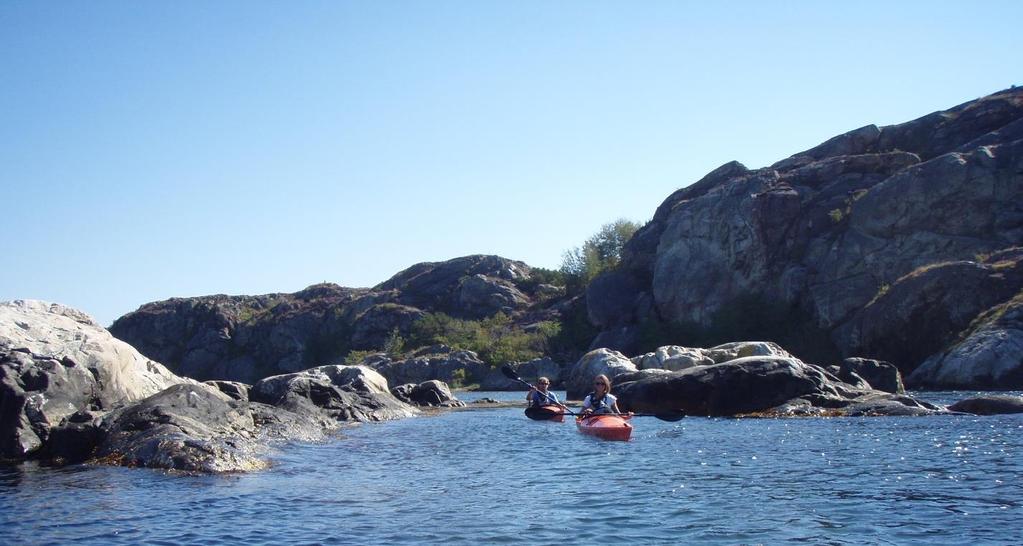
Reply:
x=989, y=405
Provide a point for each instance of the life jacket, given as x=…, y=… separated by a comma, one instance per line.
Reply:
x=598, y=405
x=540, y=400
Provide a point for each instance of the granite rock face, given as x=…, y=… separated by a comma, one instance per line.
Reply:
x=989, y=355
x=843, y=236
x=56, y=361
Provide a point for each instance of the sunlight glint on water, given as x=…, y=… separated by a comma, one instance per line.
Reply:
x=492, y=476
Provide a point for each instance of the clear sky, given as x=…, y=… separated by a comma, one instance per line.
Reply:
x=154, y=149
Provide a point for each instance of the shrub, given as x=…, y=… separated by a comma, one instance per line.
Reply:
x=495, y=339
x=601, y=252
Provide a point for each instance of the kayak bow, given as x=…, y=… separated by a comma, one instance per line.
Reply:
x=546, y=413
x=605, y=426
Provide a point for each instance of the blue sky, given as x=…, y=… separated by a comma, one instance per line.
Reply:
x=151, y=150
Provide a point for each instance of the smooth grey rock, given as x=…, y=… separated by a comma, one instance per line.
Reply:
x=596, y=362
x=428, y=393
x=342, y=393
x=56, y=361
x=882, y=376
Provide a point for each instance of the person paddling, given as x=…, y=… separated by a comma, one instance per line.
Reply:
x=539, y=396
x=601, y=400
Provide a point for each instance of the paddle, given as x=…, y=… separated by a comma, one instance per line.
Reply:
x=664, y=416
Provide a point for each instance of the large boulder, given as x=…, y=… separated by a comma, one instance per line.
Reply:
x=594, y=363
x=673, y=358
x=55, y=362
x=340, y=393
x=763, y=385
x=883, y=376
x=429, y=393
x=185, y=427
x=989, y=405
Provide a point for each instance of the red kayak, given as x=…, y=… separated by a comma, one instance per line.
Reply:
x=605, y=426
x=546, y=413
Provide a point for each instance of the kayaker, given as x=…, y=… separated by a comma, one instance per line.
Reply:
x=601, y=400
x=538, y=397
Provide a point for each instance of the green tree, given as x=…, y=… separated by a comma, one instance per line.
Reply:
x=601, y=252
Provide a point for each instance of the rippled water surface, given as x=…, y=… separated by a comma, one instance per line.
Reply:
x=494, y=477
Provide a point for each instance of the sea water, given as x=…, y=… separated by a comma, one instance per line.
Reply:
x=491, y=476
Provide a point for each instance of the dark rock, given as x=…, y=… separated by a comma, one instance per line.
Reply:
x=247, y=338
x=926, y=310
x=762, y=385
x=834, y=238
x=989, y=354
x=185, y=427
x=882, y=376
x=234, y=389
x=428, y=393
x=989, y=405
x=74, y=440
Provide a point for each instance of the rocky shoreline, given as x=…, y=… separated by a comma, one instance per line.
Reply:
x=71, y=393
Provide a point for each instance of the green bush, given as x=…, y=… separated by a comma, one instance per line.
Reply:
x=601, y=252
x=495, y=339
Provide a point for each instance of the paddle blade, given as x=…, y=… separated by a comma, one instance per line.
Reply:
x=509, y=373
x=670, y=416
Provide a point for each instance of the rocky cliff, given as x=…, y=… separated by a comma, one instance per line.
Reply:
x=885, y=242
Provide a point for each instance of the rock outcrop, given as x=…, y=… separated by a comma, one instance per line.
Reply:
x=990, y=355
x=56, y=361
x=70, y=392
x=769, y=384
x=428, y=393
x=247, y=338
x=841, y=241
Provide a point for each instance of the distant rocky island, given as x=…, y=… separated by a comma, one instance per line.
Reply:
x=823, y=285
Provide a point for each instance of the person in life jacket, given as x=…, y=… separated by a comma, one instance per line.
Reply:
x=538, y=397
x=601, y=400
